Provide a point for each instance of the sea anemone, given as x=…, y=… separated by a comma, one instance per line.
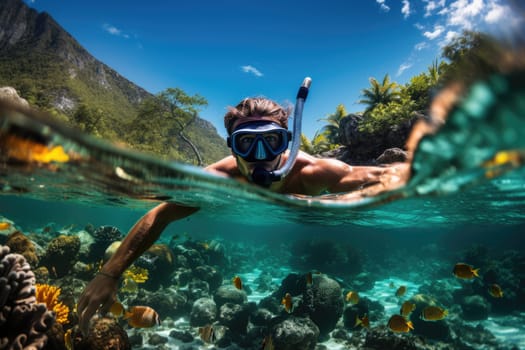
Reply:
x=48, y=295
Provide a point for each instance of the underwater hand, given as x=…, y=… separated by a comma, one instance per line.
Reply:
x=99, y=295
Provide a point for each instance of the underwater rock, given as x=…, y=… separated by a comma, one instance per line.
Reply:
x=210, y=275
x=475, y=308
x=198, y=289
x=383, y=338
x=21, y=244
x=159, y=261
x=23, y=322
x=103, y=237
x=327, y=303
x=203, y=312
x=157, y=339
x=104, y=333
x=183, y=336
x=235, y=317
x=293, y=333
x=61, y=255
x=229, y=294
x=168, y=302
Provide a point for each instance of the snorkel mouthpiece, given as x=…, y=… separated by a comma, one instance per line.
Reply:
x=264, y=178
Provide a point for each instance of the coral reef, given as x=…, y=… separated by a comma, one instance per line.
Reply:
x=20, y=244
x=104, y=236
x=49, y=295
x=23, y=322
x=61, y=255
x=104, y=334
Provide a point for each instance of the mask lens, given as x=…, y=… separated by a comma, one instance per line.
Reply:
x=250, y=144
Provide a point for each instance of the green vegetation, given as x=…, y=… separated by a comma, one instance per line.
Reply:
x=387, y=104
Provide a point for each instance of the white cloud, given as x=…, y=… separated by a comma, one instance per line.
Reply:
x=384, y=6
x=496, y=12
x=420, y=46
x=114, y=31
x=403, y=67
x=405, y=10
x=251, y=70
x=462, y=13
x=437, y=32
x=432, y=5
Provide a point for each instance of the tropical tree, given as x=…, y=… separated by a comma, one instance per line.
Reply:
x=332, y=130
x=318, y=144
x=164, y=118
x=379, y=93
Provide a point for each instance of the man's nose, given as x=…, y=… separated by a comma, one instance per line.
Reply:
x=260, y=153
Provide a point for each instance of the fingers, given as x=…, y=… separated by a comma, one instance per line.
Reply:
x=85, y=317
x=107, y=306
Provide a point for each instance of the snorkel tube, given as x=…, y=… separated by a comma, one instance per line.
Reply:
x=265, y=178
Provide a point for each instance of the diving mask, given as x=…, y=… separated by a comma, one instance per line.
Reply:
x=259, y=141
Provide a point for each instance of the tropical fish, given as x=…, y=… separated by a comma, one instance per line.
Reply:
x=309, y=278
x=433, y=313
x=28, y=151
x=401, y=291
x=142, y=317
x=407, y=308
x=129, y=286
x=4, y=225
x=68, y=341
x=352, y=297
x=207, y=334
x=267, y=343
x=465, y=271
x=287, y=302
x=237, y=282
x=364, y=321
x=496, y=291
x=398, y=323
x=117, y=309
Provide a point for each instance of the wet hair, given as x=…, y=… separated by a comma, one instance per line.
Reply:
x=257, y=107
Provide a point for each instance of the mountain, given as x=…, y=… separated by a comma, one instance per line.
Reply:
x=51, y=70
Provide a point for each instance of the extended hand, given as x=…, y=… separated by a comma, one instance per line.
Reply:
x=99, y=295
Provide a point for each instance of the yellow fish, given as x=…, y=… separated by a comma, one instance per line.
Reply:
x=237, y=282
x=433, y=313
x=364, y=321
x=401, y=291
x=68, y=341
x=142, y=317
x=207, y=334
x=4, y=225
x=496, y=291
x=117, y=309
x=352, y=297
x=398, y=323
x=287, y=302
x=28, y=151
x=129, y=286
x=407, y=308
x=465, y=271
x=268, y=343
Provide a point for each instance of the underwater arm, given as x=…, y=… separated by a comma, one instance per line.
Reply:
x=100, y=293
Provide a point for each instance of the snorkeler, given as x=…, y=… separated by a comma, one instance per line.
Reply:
x=259, y=139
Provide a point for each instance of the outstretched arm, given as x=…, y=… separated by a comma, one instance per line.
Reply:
x=333, y=176
x=101, y=292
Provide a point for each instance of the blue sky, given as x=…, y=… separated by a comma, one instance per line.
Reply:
x=231, y=49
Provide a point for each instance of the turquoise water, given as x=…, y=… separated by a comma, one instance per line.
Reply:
x=457, y=208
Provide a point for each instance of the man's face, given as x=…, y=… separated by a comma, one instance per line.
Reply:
x=258, y=143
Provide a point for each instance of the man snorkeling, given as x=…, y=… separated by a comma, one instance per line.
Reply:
x=259, y=138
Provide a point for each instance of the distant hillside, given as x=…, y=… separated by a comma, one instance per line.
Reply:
x=51, y=70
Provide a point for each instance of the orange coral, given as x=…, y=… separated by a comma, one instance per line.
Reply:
x=48, y=295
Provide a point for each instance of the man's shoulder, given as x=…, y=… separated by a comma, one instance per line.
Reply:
x=226, y=166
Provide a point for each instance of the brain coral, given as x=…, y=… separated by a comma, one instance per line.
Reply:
x=23, y=322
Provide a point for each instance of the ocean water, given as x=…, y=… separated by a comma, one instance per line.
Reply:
x=465, y=203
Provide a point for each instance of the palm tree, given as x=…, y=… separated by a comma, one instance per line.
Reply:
x=332, y=130
x=434, y=72
x=379, y=93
